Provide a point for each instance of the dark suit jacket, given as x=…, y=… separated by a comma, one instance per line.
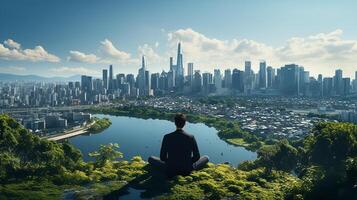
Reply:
x=179, y=151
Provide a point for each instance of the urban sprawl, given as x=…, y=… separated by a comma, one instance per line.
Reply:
x=290, y=86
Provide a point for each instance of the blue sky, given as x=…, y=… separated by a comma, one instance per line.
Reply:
x=84, y=36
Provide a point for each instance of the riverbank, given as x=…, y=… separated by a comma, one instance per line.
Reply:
x=99, y=125
x=95, y=125
x=228, y=130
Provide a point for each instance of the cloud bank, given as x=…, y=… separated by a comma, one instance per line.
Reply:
x=11, y=50
x=319, y=53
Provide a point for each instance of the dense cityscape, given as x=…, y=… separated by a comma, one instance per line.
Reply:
x=290, y=81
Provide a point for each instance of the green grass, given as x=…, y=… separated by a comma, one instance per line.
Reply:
x=31, y=190
x=100, y=124
x=213, y=182
x=237, y=141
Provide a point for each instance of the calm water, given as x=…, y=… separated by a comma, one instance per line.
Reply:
x=143, y=137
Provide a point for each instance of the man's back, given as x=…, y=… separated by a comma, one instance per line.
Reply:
x=179, y=150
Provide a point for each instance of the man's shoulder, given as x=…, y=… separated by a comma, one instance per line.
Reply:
x=188, y=134
x=181, y=132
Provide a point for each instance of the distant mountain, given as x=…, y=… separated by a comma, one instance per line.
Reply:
x=15, y=77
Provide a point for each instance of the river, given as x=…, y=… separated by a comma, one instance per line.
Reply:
x=143, y=137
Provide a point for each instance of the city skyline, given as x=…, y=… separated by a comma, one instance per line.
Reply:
x=100, y=35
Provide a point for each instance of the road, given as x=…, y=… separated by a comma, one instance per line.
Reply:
x=69, y=134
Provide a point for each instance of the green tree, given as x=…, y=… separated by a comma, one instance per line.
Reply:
x=281, y=156
x=106, y=153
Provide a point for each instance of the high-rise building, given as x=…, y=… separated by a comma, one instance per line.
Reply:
x=207, y=81
x=270, y=77
x=111, y=82
x=289, y=79
x=248, y=77
x=338, y=82
x=155, y=81
x=197, y=82
x=218, y=80
x=97, y=84
x=320, y=81
x=190, y=72
x=354, y=83
x=87, y=83
x=143, y=79
x=262, y=75
x=177, y=70
x=304, y=78
x=327, y=86
x=105, y=78
x=227, y=78
x=238, y=80
x=171, y=79
x=346, y=85
x=163, y=82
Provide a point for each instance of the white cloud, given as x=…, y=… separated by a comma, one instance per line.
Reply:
x=209, y=53
x=319, y=53
x=108, y=54
x=153, y=59
x=12, y=44
x=77, y=56
x=16, y=68
x=110, y=50
x=13, y=51
x=64, y=70
x=13, y=69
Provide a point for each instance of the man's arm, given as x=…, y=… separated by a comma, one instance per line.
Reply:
x=196, y=152
x=163, y=151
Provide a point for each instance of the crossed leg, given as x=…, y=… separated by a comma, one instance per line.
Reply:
x=199, y=164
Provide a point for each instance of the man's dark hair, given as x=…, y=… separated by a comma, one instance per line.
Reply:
x=180, y=120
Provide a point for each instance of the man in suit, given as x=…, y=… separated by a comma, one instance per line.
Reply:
x=179, y=153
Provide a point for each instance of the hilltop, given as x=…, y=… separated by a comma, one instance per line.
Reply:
x=325, y=163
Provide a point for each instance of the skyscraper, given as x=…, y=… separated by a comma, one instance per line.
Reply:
x=143, y=79
x=190, y=72
x=248, y=77
x=227, y=78
x=207, y=81
x=327, y=86
x=289, y=79
x=217, y=80
x=163, y=82
x=87, y=88
x=177, y=70
x=270, y=77
x=338, y=82
x=179, y=64
x=155, y=81
x=111, y=83
x=346, y=85
x=87, y=83
x=197, y=82
x=354, y=83
x=105, y=78
x=320, y=81
x=262, y=75
x=238, y=80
